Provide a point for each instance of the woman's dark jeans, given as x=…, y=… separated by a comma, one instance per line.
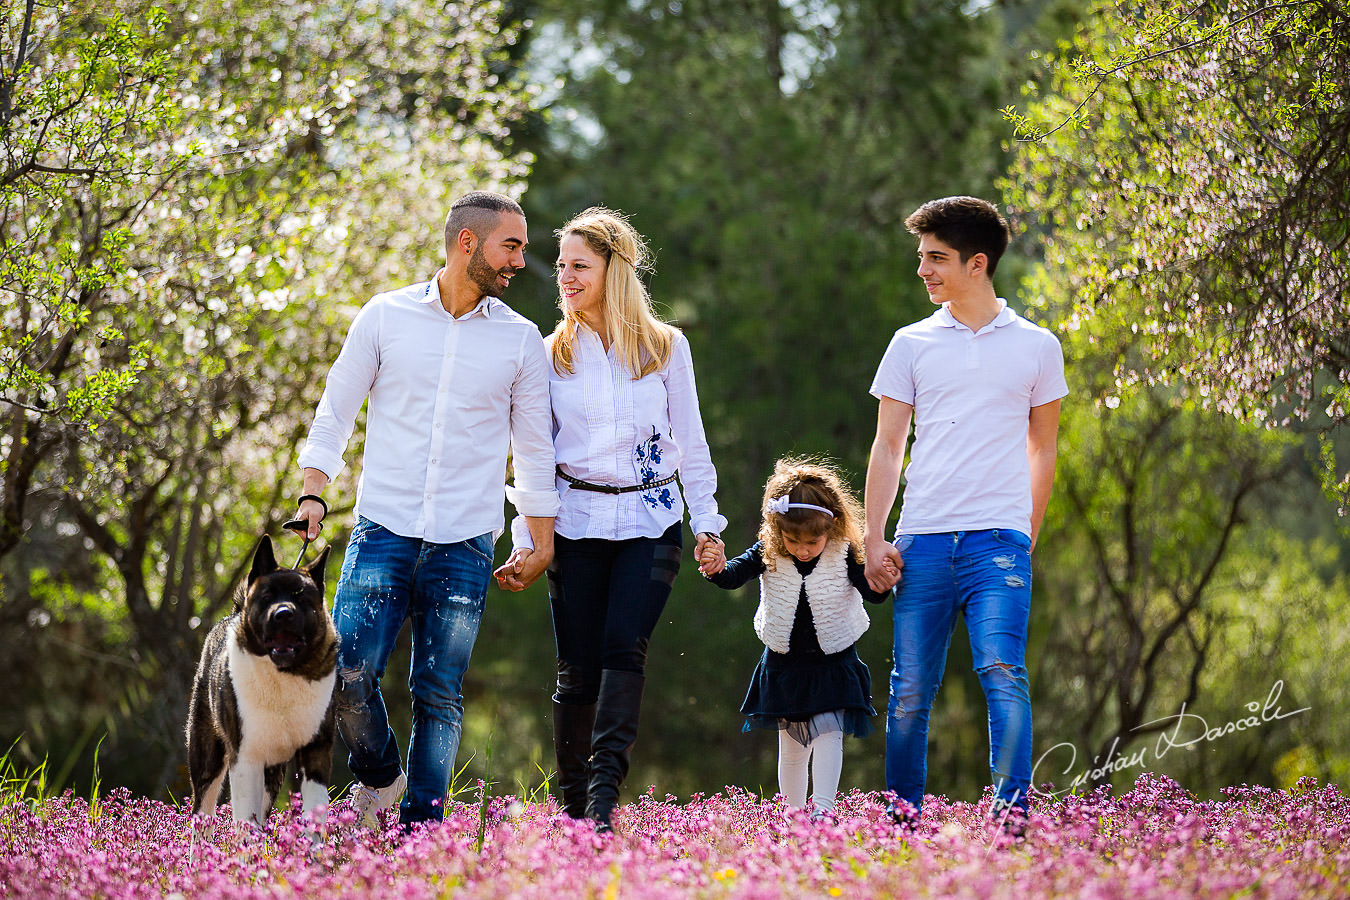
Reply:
x=607, y=597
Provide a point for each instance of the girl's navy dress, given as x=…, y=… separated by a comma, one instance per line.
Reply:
x=790, y=691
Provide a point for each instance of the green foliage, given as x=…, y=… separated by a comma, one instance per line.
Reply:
x=1287, y=618
x=80, y=113
x=1134, y=565
x=17, y=785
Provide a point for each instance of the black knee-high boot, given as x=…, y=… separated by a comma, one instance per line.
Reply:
x=616, y=723
x=572, y=726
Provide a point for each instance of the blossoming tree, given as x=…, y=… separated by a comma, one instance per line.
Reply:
x=195, y=197
x=1190, y=163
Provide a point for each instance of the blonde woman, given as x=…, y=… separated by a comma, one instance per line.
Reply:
x=626, y=420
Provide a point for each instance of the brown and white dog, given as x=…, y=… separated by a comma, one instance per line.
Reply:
x=263, y=695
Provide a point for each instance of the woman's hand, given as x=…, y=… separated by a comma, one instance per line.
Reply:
x=710, y=553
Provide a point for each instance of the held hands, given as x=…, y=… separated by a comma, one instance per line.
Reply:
x=522, y=568
x=710, y=553
x=883, y=565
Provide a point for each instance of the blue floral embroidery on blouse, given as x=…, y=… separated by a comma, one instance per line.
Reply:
x=648, y=455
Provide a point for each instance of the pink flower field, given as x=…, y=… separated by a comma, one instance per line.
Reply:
x=1156, y=840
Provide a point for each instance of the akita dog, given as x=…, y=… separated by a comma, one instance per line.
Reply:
x=263, y=695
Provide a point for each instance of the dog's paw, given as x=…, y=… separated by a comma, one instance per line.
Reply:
x=203, y=828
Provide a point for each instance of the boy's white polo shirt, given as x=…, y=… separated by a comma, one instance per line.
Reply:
x=972, y=394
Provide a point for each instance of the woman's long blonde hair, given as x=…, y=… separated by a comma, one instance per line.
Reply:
x=814, y=481
x=642, y=340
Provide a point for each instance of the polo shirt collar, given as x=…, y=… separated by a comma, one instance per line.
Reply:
x=431, y=293
x=1004, y=316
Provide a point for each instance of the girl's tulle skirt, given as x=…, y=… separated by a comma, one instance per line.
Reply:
x=812, y=696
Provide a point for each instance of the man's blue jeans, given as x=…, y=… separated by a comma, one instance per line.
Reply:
x=984, y=576
x=385, y=579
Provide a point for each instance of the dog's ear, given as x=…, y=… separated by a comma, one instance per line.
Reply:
x=315, y=569
x=264, y=563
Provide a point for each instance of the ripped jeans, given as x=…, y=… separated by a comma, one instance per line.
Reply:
x=984, y=576
x=387, y=578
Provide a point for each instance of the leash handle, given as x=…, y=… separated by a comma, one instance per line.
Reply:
x=300, y=526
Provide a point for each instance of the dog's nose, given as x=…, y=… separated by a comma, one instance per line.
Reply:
x=283, y=614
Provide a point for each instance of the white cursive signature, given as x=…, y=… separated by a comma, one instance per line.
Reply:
x=1186, y=730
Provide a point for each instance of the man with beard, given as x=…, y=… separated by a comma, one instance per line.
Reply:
x=455, y=378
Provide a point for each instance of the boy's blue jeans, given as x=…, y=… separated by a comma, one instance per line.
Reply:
x=385, y=579
x=986, y=577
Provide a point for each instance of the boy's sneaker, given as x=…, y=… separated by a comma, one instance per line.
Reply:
x=1015, y=824
x=369, y=801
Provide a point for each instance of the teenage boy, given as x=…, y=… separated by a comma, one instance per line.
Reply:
x=982, y=387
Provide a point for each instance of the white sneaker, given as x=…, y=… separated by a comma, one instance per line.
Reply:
x=369, y=801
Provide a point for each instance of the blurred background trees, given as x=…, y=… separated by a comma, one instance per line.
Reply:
x=197, y=198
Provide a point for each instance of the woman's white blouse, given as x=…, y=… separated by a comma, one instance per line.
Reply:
x=611, y=429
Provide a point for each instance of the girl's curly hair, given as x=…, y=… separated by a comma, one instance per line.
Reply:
x=814, y=481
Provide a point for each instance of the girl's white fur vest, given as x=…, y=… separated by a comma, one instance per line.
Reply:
x=835, y=603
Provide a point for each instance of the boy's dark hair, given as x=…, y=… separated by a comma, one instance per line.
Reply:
x=477, y=211
x=968, y=225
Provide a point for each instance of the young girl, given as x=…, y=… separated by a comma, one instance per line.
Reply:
x=809, y=686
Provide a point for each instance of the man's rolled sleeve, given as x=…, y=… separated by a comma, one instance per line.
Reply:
x=521, y=539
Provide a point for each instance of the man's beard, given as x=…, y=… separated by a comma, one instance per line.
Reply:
x=483, y=275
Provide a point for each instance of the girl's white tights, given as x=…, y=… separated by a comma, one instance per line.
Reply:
x=826, y=756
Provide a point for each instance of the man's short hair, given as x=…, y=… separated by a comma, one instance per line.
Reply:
x=968, y=225
x=478, y=211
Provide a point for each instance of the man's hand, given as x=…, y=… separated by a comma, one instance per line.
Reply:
x=312, y=510
x=522, y=568
x=882, y=566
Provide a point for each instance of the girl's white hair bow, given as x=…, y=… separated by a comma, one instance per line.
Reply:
x=780, y=505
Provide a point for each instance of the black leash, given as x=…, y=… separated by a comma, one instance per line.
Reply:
x=302, y=525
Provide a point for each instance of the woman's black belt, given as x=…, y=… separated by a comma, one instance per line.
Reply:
x=611, y=488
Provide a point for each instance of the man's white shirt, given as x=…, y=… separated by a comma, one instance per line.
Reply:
x=448, y=398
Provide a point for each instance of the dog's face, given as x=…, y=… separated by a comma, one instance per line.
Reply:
x=283, y=616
